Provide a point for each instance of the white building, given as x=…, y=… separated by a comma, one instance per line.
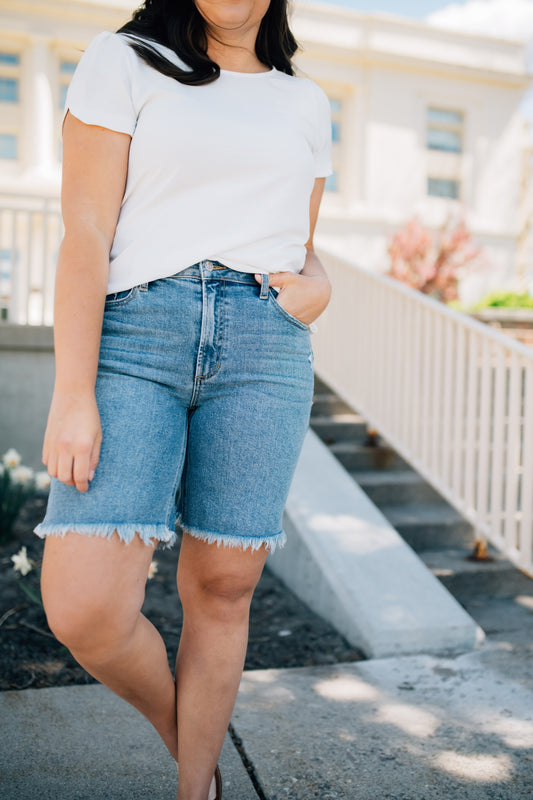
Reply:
x=425, y=121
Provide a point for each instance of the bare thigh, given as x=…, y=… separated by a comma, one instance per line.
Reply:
x=91, y=581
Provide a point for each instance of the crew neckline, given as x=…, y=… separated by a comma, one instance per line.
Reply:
x=238, y=72
x=175, y=56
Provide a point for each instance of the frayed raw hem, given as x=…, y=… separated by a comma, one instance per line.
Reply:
x=148, y=533
x=244, y=542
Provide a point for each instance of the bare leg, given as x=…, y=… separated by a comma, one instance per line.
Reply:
x=93, y=591
x=216, y=585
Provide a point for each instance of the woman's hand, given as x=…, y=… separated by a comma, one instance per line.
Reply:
x=72, y=440
x=303, y=296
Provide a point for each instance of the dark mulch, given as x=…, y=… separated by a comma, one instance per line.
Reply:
x=284, y=632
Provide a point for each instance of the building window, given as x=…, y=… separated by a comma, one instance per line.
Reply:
x=336, y=111
x=9, y=90
x=443, y=187
x=9, y=77
x=9, y=104
x=12, y=59
x=332, y=181
x=66, y=71
x=445, y=130
x=8, y=146
x=445, y=147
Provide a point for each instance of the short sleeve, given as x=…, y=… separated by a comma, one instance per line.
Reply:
x=100, y=92
x=322, y=150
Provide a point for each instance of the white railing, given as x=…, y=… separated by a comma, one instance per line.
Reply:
x=453, y=396
x=30, y=233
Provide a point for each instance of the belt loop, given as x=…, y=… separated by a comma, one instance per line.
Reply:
x=264, y=286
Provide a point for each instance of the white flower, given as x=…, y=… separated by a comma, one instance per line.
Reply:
x=11, y=458
x=21, y=474
x=42, y=480
x=152, y=569
x=21, y=562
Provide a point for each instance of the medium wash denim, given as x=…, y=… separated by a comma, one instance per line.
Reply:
x=204, y=389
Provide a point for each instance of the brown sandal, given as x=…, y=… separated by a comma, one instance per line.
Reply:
x=218, y=784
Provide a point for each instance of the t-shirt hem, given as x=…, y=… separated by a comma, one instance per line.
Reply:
x=138, y=280
x=323, y=172
x=110, y=121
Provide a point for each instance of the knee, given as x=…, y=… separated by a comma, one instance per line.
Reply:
x=225, y=596
x=83, y=624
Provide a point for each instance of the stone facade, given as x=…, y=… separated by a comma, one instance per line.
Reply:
x=425, y=121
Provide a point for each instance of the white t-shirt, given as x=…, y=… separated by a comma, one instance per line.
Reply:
x=222, y=171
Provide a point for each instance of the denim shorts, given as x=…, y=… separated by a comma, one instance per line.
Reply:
x=204, y=390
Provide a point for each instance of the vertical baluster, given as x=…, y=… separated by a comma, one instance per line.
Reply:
x=446, y=441
x=436, y=405
x=485, y=432
x=417, y=384
x=29, y=259
x=498, y=452
x=459, y=415
x=405, y=367
x=526, y=515
x=45, y=257
x=471, y=437
x=514, y=424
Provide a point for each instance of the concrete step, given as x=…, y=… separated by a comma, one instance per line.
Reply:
x=355, y=456
x=335, y=428
x=467, y=579
x=430, y=526
x=321, y=387
x=325, y=404
x=345, y=560
x=394, y=488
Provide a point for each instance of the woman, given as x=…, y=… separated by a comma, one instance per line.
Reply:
x=193, y=168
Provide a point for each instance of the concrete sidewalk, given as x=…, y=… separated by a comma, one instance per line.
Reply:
x=407, y=728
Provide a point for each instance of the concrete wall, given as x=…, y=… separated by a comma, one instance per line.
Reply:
x=26, y=384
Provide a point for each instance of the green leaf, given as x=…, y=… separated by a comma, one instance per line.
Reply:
x=32, y=594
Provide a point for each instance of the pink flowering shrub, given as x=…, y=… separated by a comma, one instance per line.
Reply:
x=432, y=263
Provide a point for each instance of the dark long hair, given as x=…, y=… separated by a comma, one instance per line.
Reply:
x=178, y=24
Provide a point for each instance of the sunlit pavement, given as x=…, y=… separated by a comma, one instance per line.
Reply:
x=409, y=728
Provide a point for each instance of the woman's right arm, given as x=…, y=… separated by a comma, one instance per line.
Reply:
x=95, y=162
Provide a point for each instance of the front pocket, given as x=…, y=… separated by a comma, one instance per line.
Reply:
x=120, y=298
x=283, y=311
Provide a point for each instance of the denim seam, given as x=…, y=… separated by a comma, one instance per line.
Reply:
x=220, y=339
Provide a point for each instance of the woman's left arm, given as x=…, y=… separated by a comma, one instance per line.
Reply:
x=306, y=294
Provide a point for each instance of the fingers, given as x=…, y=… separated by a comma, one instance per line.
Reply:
x=64, y=467
x=81, y=471
x=75, y=469
x=95, y=457
x=278, y=279
x=51, y=463
x=71, y=447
